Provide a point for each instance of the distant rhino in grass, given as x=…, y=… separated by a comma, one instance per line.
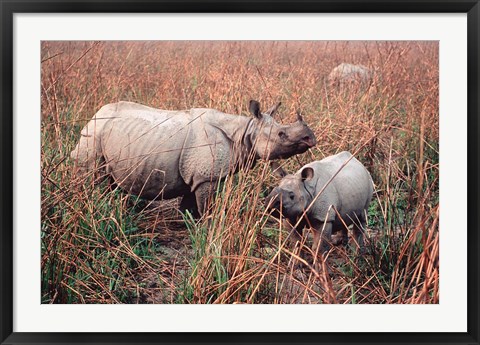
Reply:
x=165, y=154
x=346, y=73
x=325, y=194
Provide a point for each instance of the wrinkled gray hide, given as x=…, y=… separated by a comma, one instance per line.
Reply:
x=157, y=153
x=349, y=193
x=346, y=73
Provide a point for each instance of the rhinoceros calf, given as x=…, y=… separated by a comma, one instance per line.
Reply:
x=157, y=153
x=326, y=194
x=346, y=73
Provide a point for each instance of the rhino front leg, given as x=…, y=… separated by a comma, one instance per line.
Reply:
x=204, y=195
x=358, y=233
x=322, y=236
x=189, y=203
x=294, y=235
x=295, y=240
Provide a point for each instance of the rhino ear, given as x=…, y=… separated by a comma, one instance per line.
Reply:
x=273, y=109
x=254, y=108
x=277, y=170
x=307, y=174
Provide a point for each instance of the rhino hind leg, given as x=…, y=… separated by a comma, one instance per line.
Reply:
x=204, y=196
x=359, y=227
x=189, y=202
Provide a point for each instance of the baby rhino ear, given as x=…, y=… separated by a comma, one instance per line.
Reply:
x=307, y=174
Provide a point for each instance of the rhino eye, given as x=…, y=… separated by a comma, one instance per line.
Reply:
x=282, y=135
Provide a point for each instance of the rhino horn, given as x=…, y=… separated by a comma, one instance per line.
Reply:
x=299, y=116
x=273, y=109
x=277, y=169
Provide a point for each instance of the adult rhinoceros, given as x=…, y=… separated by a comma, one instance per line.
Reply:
x=348, y=74
x=165, y=154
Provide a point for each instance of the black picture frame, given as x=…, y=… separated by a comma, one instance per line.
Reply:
x=9, y=8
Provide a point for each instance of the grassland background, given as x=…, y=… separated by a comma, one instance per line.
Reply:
x=103, y=246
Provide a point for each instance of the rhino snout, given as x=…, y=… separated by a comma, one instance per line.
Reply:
x=304, y=141
x=279, y=199
x=272, y=201
x=309, y=140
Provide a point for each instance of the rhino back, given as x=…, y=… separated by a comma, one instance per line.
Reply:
x=155, y=153
x=152, y=152
x=351, y=189
x=355, y=187
x=89, y=148
x=143, y=155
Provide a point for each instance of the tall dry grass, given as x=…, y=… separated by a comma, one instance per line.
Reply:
x=100, y=245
